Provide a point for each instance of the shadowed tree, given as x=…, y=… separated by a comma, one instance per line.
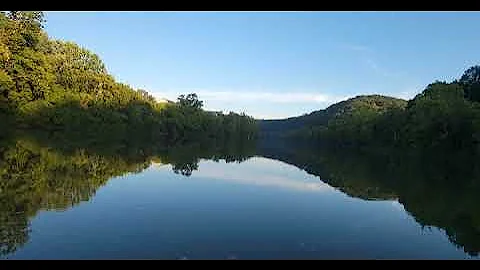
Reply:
x=470, y=81
x=52, y=84
x=191, y=100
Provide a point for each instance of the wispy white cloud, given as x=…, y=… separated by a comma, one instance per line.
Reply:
x=272, y=97
x=409, y=93
x=254, y=96
x=272, y=105
x=373, y=64
x=261, y=104
x=368, y=56
x=380, y=70
x=359, y=48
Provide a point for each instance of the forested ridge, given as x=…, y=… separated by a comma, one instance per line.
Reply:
x=345, y=113
x=424, y=152
x=58, y=85
x=444, y=117
x=67, y=127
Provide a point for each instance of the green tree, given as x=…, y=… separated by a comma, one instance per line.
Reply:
x=51, y=84
x=190, y=100
x=470, y=80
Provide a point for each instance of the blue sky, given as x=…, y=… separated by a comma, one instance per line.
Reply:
x=276, y=64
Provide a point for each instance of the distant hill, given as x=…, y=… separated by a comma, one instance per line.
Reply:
x=363, y=105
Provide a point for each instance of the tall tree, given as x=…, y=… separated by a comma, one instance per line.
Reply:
x=191, y=100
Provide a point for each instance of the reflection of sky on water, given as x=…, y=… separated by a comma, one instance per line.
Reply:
x=262, y=172
x=260, y=210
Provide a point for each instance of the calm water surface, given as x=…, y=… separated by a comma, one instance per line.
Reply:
x=260, y=208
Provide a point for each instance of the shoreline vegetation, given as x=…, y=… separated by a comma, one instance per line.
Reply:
x=67, y=127
x=55, y=85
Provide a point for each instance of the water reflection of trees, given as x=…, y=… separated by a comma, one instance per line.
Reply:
x=59, y=170
x=438, y=187
x=55, y=171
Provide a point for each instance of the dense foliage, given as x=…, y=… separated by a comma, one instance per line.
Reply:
x=343, y=121
x=57, y=85
x=79, y=127
x=423, y=152
x=444, y=116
